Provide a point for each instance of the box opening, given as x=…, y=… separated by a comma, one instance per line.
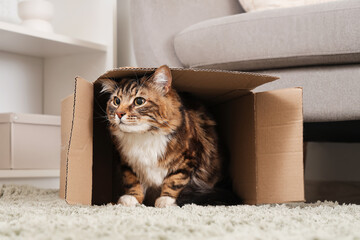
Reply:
x=106, y=160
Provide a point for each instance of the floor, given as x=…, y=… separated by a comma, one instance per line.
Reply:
x=31, y=213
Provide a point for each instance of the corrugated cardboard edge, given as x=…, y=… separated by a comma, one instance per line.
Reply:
x=76, y=169
x=275, y=187
x=239, y=133
x=152, y=69
x=213, y=85
x=66, y=123
x=69, y=144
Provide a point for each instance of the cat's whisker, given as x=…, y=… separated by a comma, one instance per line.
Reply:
x=99, y=117
x=97, y=102
x=104, y=119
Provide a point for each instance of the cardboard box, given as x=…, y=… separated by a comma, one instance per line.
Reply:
x=29, y=141
x=263, y=132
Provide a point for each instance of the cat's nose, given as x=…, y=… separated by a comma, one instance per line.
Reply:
x=120, y=114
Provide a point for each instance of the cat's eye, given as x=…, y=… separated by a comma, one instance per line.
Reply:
x=116, y=100
x=139, y=101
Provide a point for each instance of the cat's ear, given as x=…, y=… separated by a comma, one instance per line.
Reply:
x=162, y=79
x=108, y=86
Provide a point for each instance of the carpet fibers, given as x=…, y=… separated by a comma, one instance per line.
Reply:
x=31, y=213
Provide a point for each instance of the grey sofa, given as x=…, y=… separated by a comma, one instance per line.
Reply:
x=316, y=47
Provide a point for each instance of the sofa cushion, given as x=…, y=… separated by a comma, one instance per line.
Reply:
x=330, y=93
x=325, y=33
x=154, y=24
x=260, y=5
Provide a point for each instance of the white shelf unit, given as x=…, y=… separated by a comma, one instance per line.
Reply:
x=48, y=178
x=33, y=173
x=37, y=69
x=21, y=40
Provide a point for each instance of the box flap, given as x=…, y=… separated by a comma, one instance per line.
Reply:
x=236, y=123
x=201, y=82
x=279, y=146
x=263, y=133
x=30, y=118
x=66, y=124
x=77, y=144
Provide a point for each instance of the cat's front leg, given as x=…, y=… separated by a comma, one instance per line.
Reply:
x=172, y=185
x=134, y=191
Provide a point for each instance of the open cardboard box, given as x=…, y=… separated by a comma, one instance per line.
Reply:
x=263, y=132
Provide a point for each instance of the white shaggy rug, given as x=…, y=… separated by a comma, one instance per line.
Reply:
x=31, y=213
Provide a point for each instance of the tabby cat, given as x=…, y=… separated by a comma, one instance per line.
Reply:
x=163, y=141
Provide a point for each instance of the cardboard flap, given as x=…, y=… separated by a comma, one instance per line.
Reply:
x=201, y=82
x=236, y=122
x=77, y=144
x=279, y=146
x=66, y=124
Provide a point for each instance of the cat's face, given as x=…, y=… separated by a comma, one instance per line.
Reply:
x=143, y=105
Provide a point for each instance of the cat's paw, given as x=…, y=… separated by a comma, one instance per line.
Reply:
x=128, y=201
x=165, y=201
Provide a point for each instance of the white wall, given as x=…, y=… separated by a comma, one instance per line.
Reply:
x=88, y=20
x=21, y=81
x=93, y=20
x=57, y=88
x=84, y=19
x=125, y=49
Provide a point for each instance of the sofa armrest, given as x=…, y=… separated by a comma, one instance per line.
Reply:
x=155, y=23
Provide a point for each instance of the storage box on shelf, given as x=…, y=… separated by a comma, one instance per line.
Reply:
x=29, y=141
x=29, y=149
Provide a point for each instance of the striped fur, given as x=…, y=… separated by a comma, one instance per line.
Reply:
x=168, y=142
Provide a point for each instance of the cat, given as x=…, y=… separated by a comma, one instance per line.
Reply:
x=164, y=141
